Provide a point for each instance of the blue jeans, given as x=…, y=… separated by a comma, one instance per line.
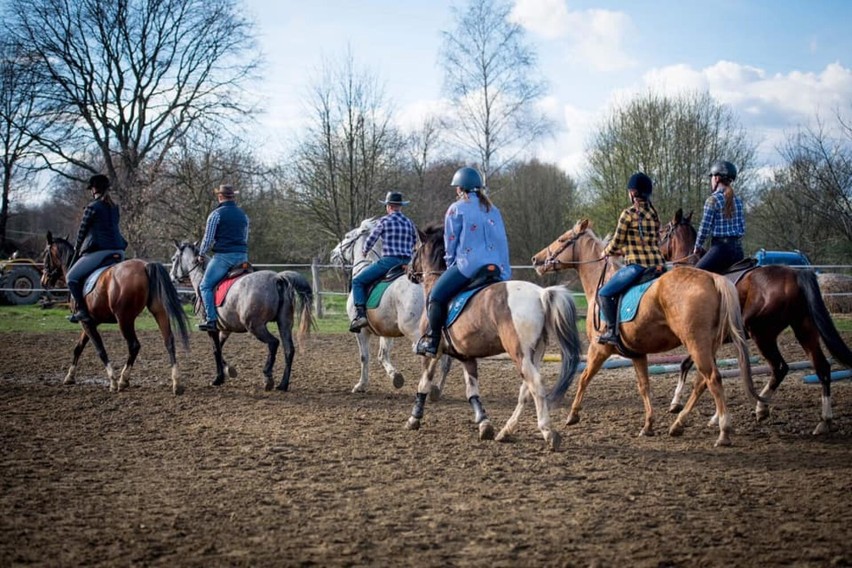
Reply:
x=375, y=271
x=721, y=256
x=621, y=280
x=217, y=268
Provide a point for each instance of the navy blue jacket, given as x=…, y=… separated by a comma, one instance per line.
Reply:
x=99, y=229
x=227, y=230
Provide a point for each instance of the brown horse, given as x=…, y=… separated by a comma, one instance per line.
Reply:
x=513, y=317
x=688, y=307
x=773, y=298
x=121, y=293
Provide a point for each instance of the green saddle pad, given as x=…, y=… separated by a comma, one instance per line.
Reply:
x=376, y=293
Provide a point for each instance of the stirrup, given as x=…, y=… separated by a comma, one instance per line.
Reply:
x=427, y=347
x=608, y=337
x=358, y=323
x=80, y=316
x=208, y=325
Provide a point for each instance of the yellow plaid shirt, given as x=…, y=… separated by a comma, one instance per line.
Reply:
x=637, y=236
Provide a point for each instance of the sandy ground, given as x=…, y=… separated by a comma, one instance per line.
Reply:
x=236, y=476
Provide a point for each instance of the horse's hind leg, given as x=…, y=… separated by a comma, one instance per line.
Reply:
x=169, y=341
x=471, y=382
x=262, y=333
x=96, y=338
x=78, y=350
x=438, y=389
x=676, y=404
x=128, y=331
x=767, y=345
x=712, y=380
x=289, y=352
x=385, y=345
x=532, y=386
x=808, y=337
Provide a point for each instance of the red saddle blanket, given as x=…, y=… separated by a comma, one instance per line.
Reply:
x=224, y=286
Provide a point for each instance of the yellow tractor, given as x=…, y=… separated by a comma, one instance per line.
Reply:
x=20, y=281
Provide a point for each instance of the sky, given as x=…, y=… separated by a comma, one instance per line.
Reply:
x=778, y=64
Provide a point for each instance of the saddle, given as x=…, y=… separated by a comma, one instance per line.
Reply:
x=487, y=276
x=234, y=274
x=739, y=269
x=628, y=305
x=92, y=279
x=377, y=289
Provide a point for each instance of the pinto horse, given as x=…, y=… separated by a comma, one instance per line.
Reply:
x=397, y=315
x=688, y=307
x=252, y=302
x=513, y=317
x=120, y=295
x=773, y=298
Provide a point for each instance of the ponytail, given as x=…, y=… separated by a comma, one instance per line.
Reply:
x=729, y=201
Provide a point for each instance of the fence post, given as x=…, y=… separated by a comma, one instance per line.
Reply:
x=317, y=286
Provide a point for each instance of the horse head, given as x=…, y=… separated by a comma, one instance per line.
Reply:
x=561, y=253
x=428, y=257
x=184, y=261
x=677, y=239
x=56, y=260
x=344, y=252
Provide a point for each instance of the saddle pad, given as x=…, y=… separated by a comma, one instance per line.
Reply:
x=378, y=289
x=629, y=303
x=93, y=279
x=458, y=303
x=223, y=287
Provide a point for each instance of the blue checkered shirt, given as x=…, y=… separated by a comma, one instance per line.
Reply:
x=398, y=235
x=715, y=224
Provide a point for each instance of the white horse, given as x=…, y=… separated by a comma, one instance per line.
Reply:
x=398, y=313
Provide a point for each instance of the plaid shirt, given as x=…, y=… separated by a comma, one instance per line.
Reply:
x=714, y=223
x=637, y=236
x=398, y=235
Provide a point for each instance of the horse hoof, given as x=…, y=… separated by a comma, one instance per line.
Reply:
x=762, y=414
x=232, y=372
x=486, y=430
x=676, y=429
x=722, y=441
x=398, y=380
x=69, y=381
x=413, y=423
x=822, y=428
x=675, y=408
x=555, y=441
x=646, y=433
x=435, y=394
x=283, y=387
x=178, y=390
x=218, y=382
x=358, y=388
x=268, y=385
x=503, y=436
x=572, y=419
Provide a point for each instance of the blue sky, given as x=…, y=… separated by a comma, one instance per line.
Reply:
x=778, y=64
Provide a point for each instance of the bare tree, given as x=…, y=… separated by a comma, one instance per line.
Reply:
x=133, y=77
x=490, y=74
x=351, y=153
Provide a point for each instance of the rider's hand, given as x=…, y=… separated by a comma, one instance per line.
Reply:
x=699, y=251
x=199, y=259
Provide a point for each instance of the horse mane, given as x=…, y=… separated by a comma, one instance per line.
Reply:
x=433, y=236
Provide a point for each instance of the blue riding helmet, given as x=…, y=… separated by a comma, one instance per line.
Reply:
x=467, y=178
x=726, y=170
x=641, y=184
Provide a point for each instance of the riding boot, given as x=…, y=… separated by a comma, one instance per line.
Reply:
x=82, y=313
x=360, y=319
x=609, y=307
x=428, y=344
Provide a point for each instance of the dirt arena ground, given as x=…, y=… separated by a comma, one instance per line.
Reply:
x=235, y=476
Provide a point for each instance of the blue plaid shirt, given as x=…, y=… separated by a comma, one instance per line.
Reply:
x=715, y=224
x=398, y=235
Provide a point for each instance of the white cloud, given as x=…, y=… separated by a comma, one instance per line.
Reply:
x=592, y=38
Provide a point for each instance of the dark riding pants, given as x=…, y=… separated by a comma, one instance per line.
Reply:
x=448, y=285
x=82, y=268
x=722, y=254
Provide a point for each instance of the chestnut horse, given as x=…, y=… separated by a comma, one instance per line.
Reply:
x=513, y=317
x=773, y=298
x=688, y=307
x=120, y=295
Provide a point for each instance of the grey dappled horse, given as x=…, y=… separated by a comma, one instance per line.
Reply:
x=252, y=302
x=398, y=314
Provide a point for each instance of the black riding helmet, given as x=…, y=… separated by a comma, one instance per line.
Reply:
x=641, y=184
x=98, y=182
x=726, y=170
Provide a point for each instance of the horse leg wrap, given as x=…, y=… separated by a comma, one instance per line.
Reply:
x=419, y=403
x=478, y=412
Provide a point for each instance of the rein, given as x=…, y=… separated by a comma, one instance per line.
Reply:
x=552, y=259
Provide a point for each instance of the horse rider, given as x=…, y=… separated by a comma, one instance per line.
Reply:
x=226, y=234
x=474, y=240
x=723, y=221
x=637, y=238
x=399, y=236
x=98, y=239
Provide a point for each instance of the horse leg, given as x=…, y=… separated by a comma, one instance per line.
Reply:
x=128, y=331
x=262, y=333
x=808, y=337
x=471, y=382
x=229, y=369
x=78, y=350
x=364, y=350
x=707, y=369
x=169, y=341
x=285, y=330
x=643, y=383
x=385, y=345
x=438, y=389
x=532, y=386
x=423, y=388
x=768, y=347
x=595, y=358
x=92, y=330
x=676, y=405
x=217, y=356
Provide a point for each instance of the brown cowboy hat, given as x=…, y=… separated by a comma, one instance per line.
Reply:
x=394, y=198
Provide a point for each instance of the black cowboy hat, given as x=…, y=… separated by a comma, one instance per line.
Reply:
x=394, y=198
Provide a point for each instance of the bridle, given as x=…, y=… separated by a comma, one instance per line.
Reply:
x=666, y=240
x=416, y=276
x=346, y=248
x=52, y=265
x=196, y=265
x=552, y=256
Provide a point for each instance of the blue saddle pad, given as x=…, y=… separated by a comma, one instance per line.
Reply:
x=629, y=304
x=458, y=303
x=93, y=279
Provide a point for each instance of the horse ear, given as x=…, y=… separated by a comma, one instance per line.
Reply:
x=49, y=238
x=688, y=218
x=678, y=216
x=582, y=225
x=177, y=245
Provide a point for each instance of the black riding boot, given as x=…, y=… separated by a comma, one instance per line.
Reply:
x=82, y=313
x=360, y=319
x=428, y=344
x=609, y=307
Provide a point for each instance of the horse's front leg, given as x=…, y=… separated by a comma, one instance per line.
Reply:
x=423, y=389
x=262, y=333
x=676, y=405
x=471, y=387
x=595, y=358
x=385, y=345
x=78, y=350
x=92, y=330
x=217, y=356
x=230, y=370
x=363, y=337
x=643, y=383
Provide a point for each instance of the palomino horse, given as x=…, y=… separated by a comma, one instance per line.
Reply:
x=773, y=298
x=397, y=315
x=252, y=302
x=121, y=293
x=513, y=317
x=688, y=307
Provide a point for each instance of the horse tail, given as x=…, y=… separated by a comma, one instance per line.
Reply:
x=560, y=315
x=809, y=286
x=161, y=289
x=731, y=318
x=295, y=288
